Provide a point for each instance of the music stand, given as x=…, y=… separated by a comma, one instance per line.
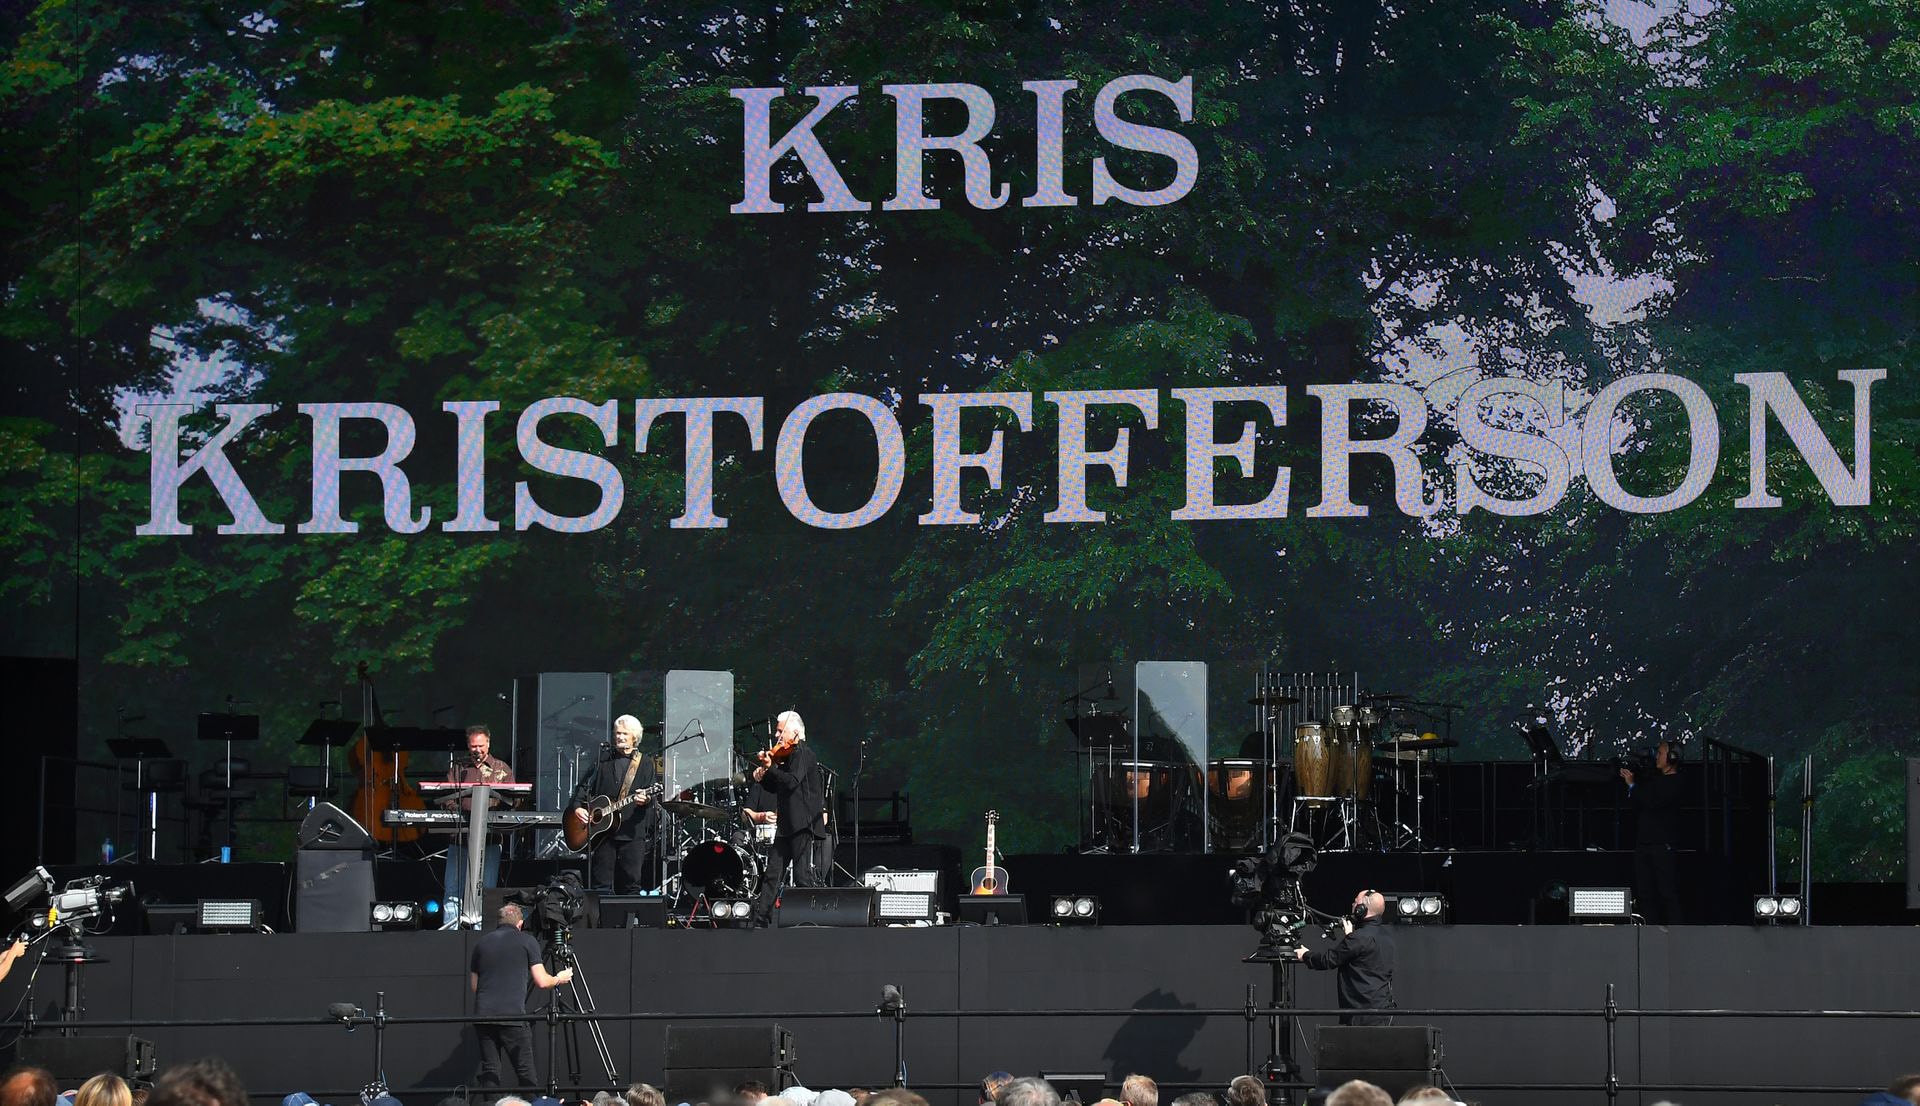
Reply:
x=140, y=750
x=229, y=728
x=330, y=734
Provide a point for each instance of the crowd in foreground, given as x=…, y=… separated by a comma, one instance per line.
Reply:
x=211, y=1082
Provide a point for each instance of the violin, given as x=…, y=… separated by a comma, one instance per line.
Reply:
x=779, y=753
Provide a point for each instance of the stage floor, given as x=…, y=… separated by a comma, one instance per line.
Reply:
x=1129, y=998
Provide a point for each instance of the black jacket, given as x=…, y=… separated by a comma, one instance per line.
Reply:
x=604, y=778
x=1656, y=808
x=799, y=792
x=1364, y=959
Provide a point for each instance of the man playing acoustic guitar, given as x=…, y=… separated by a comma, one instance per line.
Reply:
x=618, y=861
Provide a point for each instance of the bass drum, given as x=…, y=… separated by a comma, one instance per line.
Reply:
x=720, y=868
x=1313, y=761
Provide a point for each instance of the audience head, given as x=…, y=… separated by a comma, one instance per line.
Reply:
x=833, y=1098
x=28, y=1086
x=1028, y=1092
x=1907, y=1087
x=1359, y=1092
x=204, y=1082
x=992, y=1085
x=512, y=915
x=1139, y=1090
x=645, y=1094
x=104, y=1090
x=749, y=1092
x=1246, y=1090
x=1425, y=1094
x=512, y=1100
x=1196, y=1098
x=895, y=1096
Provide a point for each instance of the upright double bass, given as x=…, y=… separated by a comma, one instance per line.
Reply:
x=383, y=782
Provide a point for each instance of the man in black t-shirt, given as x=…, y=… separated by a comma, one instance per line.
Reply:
x=1363, y=960
x=504, y=962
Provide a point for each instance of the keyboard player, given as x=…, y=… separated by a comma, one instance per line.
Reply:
x=477, y=766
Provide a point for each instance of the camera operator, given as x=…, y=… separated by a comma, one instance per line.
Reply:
x=1364, y=959
x=1655, y=796
x=504, y=961
x=10, y=954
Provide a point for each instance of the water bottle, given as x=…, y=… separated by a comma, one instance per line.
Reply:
x=106, y=850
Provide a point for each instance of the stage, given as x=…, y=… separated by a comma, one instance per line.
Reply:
x=964, y=987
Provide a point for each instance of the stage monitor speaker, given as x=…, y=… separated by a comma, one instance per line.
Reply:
x=332, y=891
x=74, y=1059
x=826, y=906
x=328, y=827
x=172, y=917
x=991, y=910
x=1913, y=833
x=703, y=1059
x=632, y=912
x=1396, y=1058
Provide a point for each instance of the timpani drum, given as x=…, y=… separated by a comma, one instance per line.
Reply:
x=1237, y=796
x=1119, y=783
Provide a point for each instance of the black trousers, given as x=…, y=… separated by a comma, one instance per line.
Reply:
x=804, y=850
x=1655, y=886
x=505, y=1047
x=620, y=866
x=1370, y=1018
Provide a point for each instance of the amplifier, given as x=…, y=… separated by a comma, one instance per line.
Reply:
x=79, y=1058
x=926, y=882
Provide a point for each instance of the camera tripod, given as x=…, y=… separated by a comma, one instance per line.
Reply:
x=577, y=998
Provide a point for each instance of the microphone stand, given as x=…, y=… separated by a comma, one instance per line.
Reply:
x=859, y=769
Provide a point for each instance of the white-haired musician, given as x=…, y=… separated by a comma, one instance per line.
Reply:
x=791, y=772
x=618, y=861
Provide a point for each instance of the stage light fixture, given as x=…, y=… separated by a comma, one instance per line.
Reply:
x=906, y=906
x=1789, y=906
x=395, y=915
x=227, y=915
x=1776, y=908
x=731, y=912
x=1075, y=910
x=1599, y=904
x=1416, y=907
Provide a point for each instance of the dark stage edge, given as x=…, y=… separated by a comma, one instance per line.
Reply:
x=762, y=974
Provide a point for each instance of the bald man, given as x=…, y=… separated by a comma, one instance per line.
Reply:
x=1364, y=959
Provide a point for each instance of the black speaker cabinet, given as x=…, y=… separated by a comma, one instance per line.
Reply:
x=328, y=827
x=705, y=1062
x=1913, y=833
x=333, y=891
x=826, y=906
x=73, y=1059
x=1396, y=1058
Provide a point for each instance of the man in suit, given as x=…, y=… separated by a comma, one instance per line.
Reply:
x=619, y=859
x=800, y=806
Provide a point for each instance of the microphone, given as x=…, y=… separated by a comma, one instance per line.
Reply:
x=1110, y=693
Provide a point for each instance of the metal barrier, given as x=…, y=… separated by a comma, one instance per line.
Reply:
x=1609, y=1013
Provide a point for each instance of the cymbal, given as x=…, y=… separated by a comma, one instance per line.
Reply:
x=1386, y=696
x=1410, y=741
x=1273, y=699
x=691, y=809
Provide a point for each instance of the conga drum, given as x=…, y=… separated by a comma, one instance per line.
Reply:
x=1359, y=765
x=1313, y=761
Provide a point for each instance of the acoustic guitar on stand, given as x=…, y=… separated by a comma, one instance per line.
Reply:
x=990, y=878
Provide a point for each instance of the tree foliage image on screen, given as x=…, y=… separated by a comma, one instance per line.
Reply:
x=416, y=204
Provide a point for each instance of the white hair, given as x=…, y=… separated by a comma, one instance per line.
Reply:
x=799, y=727
x=512, y=1100
x=628, y=721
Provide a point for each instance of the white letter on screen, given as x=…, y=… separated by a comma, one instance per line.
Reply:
x=789, y=474
x=1773, y=392
x=570, y=463
x=1203, y=449
x=1596, y=443
x=470, y=460
x=1076, y=458
x=698, y=512
x=759, y=152
x=910, y=140
x=1153, y=140
x=948, y=459
x=1050, y=144
x=1337, y=447
x=396, y=491
x=1532, y=449
x=165, y=473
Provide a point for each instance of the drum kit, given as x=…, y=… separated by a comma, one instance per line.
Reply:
x=720, y=858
